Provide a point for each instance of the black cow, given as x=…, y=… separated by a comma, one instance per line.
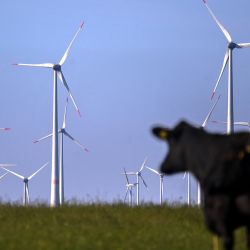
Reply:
x=221, y=163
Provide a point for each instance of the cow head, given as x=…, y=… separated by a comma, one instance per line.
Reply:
x=175, y=160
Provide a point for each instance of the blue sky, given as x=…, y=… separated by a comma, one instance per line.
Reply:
x=134, y=64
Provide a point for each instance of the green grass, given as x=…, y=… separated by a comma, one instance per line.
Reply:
x=111, y=227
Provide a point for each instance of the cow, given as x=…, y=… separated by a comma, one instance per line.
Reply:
x=221, y=163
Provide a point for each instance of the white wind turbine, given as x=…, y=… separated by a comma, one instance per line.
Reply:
x=228, y=59
x=63, y=133
x=57, y=68
x=138, y=177
x=161, y=182
x=26, y=197
x=129, y=189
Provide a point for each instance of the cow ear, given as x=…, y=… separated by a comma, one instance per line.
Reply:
x=161, y=133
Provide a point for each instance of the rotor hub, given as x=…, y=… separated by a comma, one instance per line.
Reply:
x=57, y=67
x=25, y=180
x=233, y=45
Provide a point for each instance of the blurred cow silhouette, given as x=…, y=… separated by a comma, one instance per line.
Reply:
x=221, y=163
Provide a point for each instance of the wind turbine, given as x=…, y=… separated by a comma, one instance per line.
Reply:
x=26, y=198
x=63, y=133
x=57, y=68
x=138, y=177
x=161, y=182
x=129, y=189
x=228, y=59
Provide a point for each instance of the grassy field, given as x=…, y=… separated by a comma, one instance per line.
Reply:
x=111, y=227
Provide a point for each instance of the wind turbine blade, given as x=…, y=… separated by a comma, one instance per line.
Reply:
x=145, y=184
x=70, y=45
x=7, y=165
x=130, y=193
x=244, y=45
x=247, y=124
x=41, y=65
x=65, y=113
x=43, y=166
x=222, y=70
x=126, y=195
x=62, y=78
x=223, y=122
x=18, y=175
x=126, y=176
x=45, y=137
x=210, y=113
x=223, y=29
x=1, y=177
x=184, y=176
x=143, y=164
x=76, y=141
x=6, y=129
x=153, y=170
x=130, y=173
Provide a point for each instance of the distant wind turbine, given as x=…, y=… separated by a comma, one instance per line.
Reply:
x=63, y=133
x=228, y=59
x=129, y=189
x=138, y=177
x=26, y=198
x=57, y=68
x=161, y=182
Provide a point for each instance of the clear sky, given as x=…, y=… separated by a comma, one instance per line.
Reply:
x=134, y=64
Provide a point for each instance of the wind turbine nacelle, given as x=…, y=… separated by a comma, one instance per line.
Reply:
x=25, y=180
